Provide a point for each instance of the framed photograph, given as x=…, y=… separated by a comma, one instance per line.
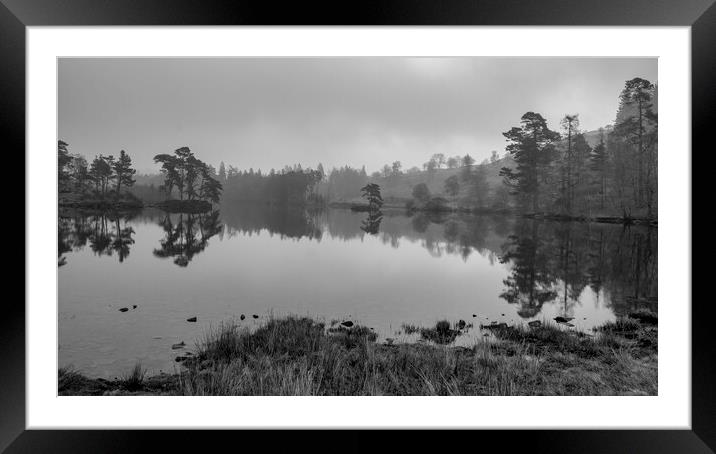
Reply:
x=407, y=217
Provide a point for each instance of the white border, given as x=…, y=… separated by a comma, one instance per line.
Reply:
x=670, y=409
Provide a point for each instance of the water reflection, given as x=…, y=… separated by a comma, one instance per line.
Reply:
x=545, y=262
x=287, y=222
x=186, y=235
x=371, y=224
x=556, y=262
x=105, y=233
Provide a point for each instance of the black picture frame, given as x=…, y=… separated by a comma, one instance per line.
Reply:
x=700, y=15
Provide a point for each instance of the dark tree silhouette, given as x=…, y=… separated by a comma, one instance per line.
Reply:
x=371, y=192
x=101, y=172
x=123, y=171
x=531, y=146
x=189, y=175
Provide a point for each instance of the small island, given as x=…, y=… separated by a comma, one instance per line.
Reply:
x=105, y=184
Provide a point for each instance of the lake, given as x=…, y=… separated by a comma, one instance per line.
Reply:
x=382, y=271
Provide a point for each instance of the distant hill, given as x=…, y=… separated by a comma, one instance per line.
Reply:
x=401, y=187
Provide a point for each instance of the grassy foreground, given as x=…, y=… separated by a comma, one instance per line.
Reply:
x=301, y=356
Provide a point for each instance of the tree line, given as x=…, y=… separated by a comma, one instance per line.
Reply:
x=103, y=175
x=290, y=185
x=546, y=171
x=562, y=173
x=182, y=172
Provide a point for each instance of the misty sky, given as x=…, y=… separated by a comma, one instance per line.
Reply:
x=269, y=112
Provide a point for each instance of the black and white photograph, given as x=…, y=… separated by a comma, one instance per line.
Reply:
x=358, y=226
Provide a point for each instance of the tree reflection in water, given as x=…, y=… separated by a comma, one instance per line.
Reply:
x=556, y=262
x=371, y=224
x=546, y=262
x=530, y=283
x=285, y=221
x=106, y=234
x=186, y=235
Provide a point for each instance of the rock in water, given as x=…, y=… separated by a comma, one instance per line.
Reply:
x=123, y=309
x=134, y=306
x=347, y=323
x=178, y=346
x=192, y=319
x=255, y=316
x=560, y=319
x=243, y=317
x=461, y=324
x=474, y=315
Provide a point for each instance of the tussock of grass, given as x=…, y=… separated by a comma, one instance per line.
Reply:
x=291, y=337
x=638, y=331
x=69, y=381
x=134, y=380
x=300, y=356
x=352, y=337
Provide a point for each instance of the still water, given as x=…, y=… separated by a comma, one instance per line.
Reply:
x=378, y=270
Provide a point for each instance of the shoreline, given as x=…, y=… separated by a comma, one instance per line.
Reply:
x=124, y=205
x=357, y=207
x=302, y=356
x=202, y=206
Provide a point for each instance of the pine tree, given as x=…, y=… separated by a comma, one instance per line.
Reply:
x=123, y=171
x=371, y=192
x=531, y=147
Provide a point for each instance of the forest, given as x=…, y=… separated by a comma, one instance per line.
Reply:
x=104, y=177
x=565, y=172
x=102, y=182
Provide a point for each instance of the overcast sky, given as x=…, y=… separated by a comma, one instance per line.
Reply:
x=269, y=112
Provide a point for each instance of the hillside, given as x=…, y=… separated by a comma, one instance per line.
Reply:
x=400, y=188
